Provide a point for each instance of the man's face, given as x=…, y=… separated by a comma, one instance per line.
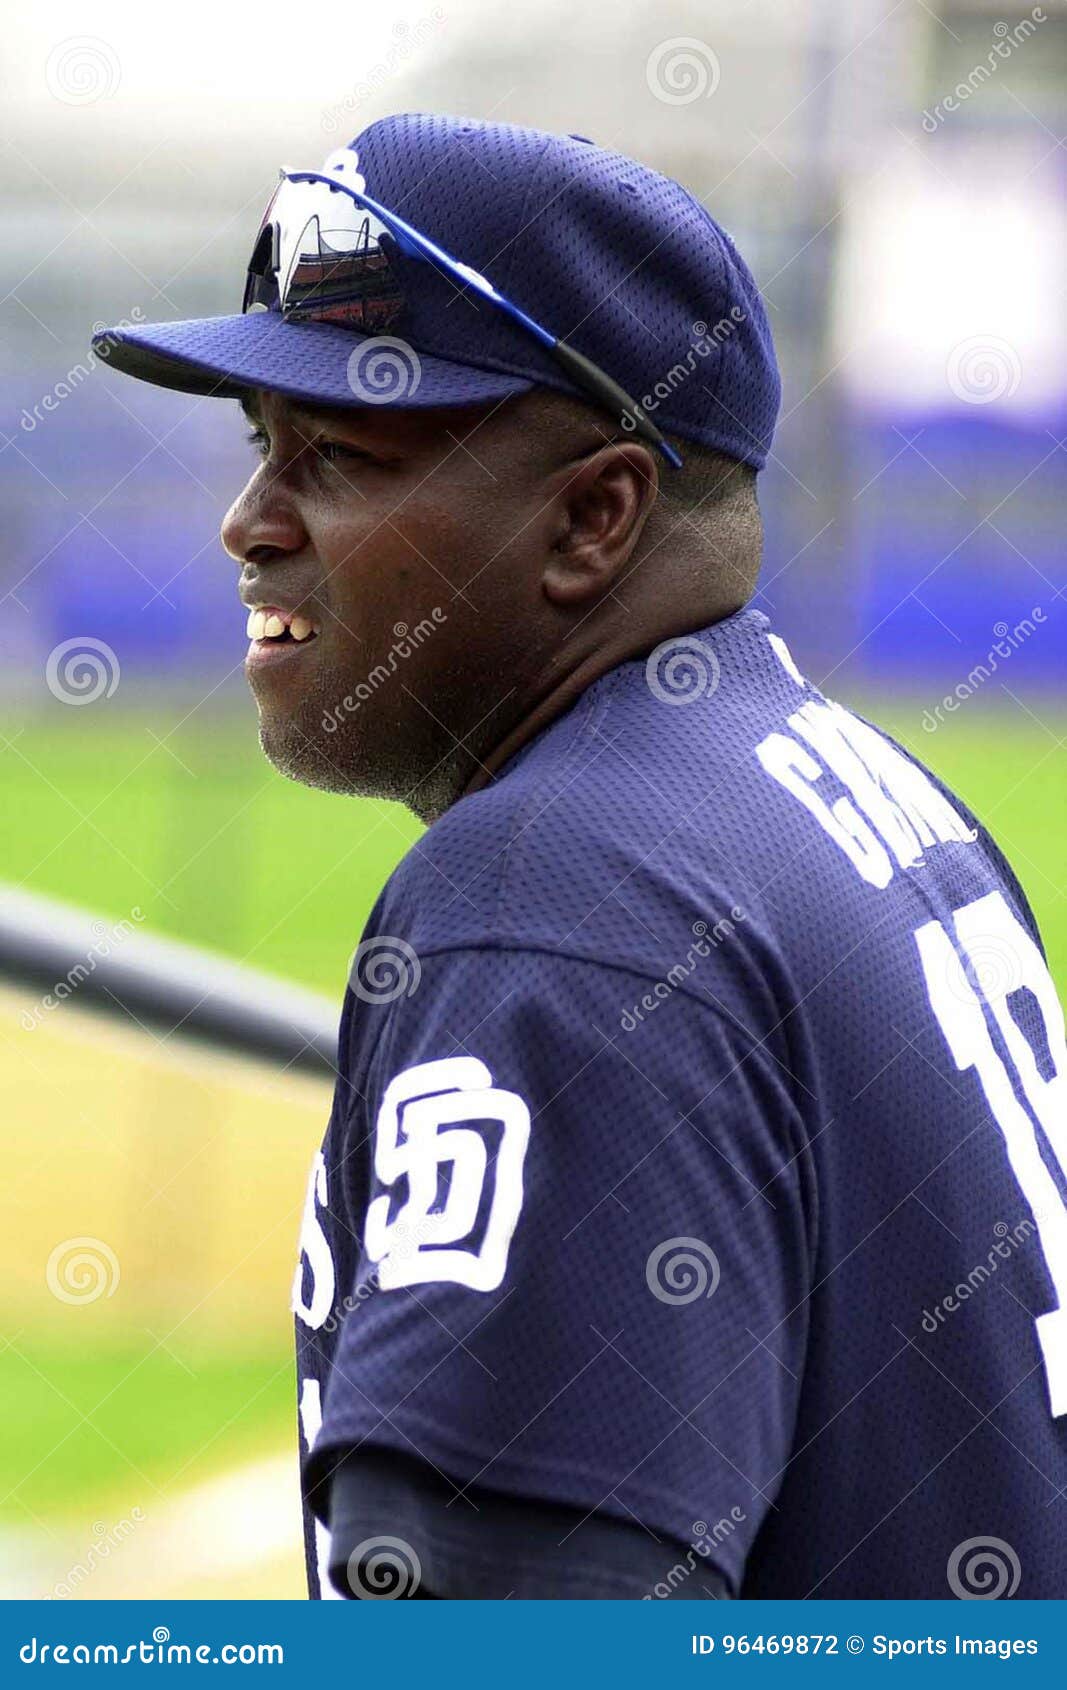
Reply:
x=406, y=548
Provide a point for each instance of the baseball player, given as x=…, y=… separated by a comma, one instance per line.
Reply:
x=690, y=1221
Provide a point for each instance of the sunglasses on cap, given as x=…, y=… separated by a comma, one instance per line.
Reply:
x=319, y=257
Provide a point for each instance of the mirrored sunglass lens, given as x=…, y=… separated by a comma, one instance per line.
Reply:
x=325, y=260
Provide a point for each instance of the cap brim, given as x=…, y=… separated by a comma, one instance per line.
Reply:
x=224, y=357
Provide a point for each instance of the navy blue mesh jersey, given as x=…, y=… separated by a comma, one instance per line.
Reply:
x=698, y=1153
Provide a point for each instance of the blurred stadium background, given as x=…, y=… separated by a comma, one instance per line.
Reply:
x=895, y=175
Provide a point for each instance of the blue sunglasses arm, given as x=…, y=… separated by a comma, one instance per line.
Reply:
x=417, y=245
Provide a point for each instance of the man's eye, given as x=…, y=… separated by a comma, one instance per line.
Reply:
x=337, y=452
x=328, y=451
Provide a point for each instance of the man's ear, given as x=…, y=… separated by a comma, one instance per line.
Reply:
x=602, y=506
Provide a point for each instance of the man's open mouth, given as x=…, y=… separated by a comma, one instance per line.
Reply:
x=270, y=625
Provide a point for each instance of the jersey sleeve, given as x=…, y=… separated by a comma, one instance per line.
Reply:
x=496, y=1547
x=581, y=1236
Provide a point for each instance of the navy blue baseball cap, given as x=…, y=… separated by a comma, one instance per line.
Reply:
x=497, y=258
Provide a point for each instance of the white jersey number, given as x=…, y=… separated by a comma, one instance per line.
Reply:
x=1003, y=958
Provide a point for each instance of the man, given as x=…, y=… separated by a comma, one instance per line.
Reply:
x=690, y=1219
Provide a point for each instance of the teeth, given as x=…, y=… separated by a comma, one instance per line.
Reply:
x=268, y=625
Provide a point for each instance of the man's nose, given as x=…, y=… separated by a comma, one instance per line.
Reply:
x=262, y=522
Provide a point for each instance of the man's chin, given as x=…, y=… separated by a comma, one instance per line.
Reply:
x=311, y=761
x=346, y=763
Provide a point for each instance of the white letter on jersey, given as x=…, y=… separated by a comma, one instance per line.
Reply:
x=409, y=1145
x=314, y=1246
x=795, y=769
x=893, y=811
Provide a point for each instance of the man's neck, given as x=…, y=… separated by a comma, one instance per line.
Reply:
x=572, y=677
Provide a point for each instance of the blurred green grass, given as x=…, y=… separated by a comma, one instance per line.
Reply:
x=131, y=1423
x=219, y=850
x=197, y=830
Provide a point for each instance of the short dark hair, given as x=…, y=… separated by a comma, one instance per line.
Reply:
x=713, y=496
x=709, y=477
